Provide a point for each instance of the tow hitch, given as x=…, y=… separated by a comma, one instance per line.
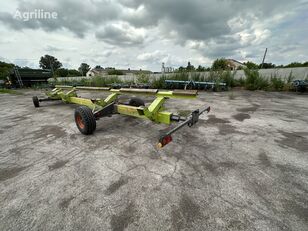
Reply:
x=190, y=121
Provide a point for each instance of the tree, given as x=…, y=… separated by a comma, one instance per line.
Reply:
x=190, y=67
x=181, y=69
x=200, y=68
x=251, y=65
x=73, y=73
x=267, y=65
x=50, y=62
x=220, y=64
x=5, y=69
x=84, y=68
x=295, y=64
x=62, y=72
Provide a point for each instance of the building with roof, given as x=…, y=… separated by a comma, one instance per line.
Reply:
x=234, y=64
x=105, y=71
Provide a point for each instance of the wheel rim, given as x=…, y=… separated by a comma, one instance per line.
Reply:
x=79, y=122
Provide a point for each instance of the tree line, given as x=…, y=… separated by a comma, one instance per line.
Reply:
x=53, y=64
x=48, y=62
x=222, y=64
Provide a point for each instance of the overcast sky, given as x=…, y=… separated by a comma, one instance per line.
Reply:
x=145, y=33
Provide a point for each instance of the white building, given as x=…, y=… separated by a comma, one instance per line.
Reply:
x=234, y=64
x=166, y=69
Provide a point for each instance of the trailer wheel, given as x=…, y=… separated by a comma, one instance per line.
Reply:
x=36, y=101
x=136, y=102
x=85, y=120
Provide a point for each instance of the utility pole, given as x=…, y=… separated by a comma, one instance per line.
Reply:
x=264, y=58
x=51, y=67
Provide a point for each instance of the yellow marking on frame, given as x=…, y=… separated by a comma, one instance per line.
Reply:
x=163, y=117
x=82, y=101
x=129, y=110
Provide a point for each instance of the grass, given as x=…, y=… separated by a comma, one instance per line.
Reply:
x=9, y=91
x=253, y=80
x=276, y=83
x=143, y=78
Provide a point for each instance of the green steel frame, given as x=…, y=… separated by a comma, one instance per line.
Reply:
x=102, y=107
x=155, y=111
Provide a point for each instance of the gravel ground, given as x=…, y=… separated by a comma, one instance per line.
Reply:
x=244, y=166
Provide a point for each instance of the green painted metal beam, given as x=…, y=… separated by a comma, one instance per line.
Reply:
x=181, y=94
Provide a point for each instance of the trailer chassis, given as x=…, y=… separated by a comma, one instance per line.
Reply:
x=91, y=110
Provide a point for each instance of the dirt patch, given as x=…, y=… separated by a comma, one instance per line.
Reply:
x=248, y=109
x=223, y=125
x=226, y=129
x=7, y=127
x=228, y=164
x=185, y=214
x=154, y=155
x=48, y=130
x=295, y=208
x=58, y=164
x=264, y=159
x=290, y=169
x=209, y=166
x=241, y=116
x=66, y=202
x=213, y=120
x=19, y=119
x=294, y=140
x=120, y=221
x=116, y=185
x=131, y=121
x=130, y=148
x=236, y=225
x=8, y=173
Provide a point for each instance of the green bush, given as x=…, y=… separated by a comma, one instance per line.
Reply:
x=254, y=81
x=213, y=75
x=220, y=64
x=115, y=72
x=196, y=77
x=181, y=76
x=276, y=83
x=290, y=78
x=143, y=78
x=5, y=69
x=97, y=81
x=159, y=83
x=239, y=82
x=228, y=78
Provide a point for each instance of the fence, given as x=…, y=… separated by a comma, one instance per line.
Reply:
x=299, y=73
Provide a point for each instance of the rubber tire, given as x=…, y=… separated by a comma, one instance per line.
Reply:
x=36, y=101
x=87, y=118
x=136, y=102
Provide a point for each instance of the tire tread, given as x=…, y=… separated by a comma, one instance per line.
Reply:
x=88, y=118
